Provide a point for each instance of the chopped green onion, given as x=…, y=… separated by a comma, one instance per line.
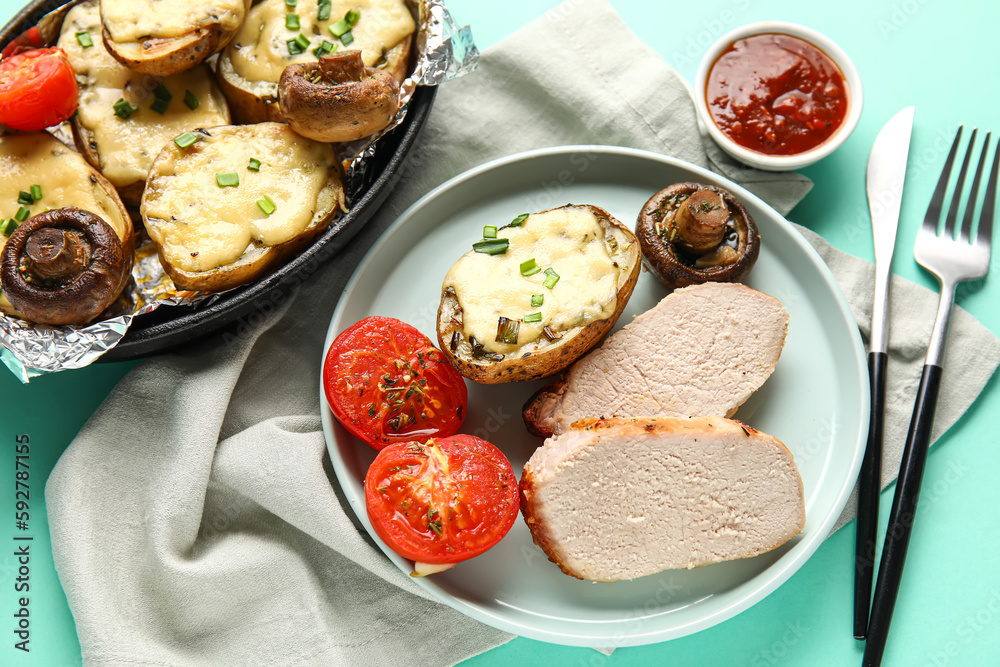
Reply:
x=323, y=11
x=228, y=179
x=265, y=204
x=83, y=37
x=340, y=27
x=191, y=100
x=489, y=232
x=537, y=300
x=352, y=16
x=123, y=109
x=491, y=246
x=529, y=267
x=159, y=105
x=22, y=214
x=507, y=330
x=291, y=3
x=324, y=48
x=298, y=45
x=36, y=192
x=292, y=21
x=25, y=198
x=186, y=139
x=519, y=220
x=533, y=317
x=7, y=227
x=346, y=38
x=161, y=93
x=552, y=278
x=551, y=334
x=254, y=164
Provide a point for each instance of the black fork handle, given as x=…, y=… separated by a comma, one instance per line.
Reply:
x=902, y=514
x=869, y=487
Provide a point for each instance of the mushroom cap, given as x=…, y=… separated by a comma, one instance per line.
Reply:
x=337, y=98
x=672, y=263
x=63, y=266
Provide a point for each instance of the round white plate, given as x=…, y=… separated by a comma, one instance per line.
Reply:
x=816, y=402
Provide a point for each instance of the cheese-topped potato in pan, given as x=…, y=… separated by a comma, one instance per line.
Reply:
x=225, y=204
x=124, y=117
x=526, y=304
x=168, y=36
x=274, y=36
x=42, y=173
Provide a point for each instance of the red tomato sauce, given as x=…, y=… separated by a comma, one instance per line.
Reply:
x=776, y=94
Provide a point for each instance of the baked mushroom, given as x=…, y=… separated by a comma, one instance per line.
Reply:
x=63, y=266
x=338, y=98
x=692, y=233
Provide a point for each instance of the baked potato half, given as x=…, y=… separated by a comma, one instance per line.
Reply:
x=528, y=303
x=168, y=36
x=124, y=117
x=250, y=67
x=240, y=199
x=36, y=163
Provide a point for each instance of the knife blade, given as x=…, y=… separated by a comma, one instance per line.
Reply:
x=884, y=185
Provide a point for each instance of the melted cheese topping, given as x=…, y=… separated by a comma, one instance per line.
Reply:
x=130, y=21
x=570, y=241
x=259, y=52
x=38, y=158
x=200, y=226
x=126, y=147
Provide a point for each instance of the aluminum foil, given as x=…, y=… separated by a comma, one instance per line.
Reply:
x=444, y=51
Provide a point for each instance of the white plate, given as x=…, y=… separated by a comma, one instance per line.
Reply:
x=816, y=402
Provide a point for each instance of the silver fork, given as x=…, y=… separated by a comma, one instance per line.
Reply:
x=952, y=261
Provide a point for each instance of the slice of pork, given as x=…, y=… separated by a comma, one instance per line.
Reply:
x=701, y=351
x=623, y=498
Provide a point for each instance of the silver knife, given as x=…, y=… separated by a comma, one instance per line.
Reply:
x=884, y=185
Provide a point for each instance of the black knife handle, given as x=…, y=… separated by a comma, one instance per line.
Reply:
x=869, y=487
x=904, y=508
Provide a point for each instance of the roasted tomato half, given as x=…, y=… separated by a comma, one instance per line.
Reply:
x=37, y=89
x=386, y=382
x=441, y=502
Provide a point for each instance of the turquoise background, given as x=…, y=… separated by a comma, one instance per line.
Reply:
x=941, y=57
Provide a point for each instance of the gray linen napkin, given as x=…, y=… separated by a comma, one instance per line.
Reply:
x=194, y=520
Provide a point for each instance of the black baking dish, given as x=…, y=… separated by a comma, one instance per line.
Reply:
x=170, y=326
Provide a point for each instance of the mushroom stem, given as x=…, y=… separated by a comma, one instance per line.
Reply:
x=701, y=221
x=342, y=67
x=57, y=254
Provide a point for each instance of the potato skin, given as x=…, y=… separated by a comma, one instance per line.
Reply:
x=166, y=56
x=253, y=264
x=550, y=358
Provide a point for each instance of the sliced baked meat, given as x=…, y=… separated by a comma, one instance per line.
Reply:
x=701, y=351
x=623, y=498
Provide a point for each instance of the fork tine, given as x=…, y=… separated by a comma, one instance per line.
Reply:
x=949, y=222
x=965, y=232
x=985, y=233
x=937, y=200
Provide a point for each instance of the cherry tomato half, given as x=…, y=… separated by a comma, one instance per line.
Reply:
x=386, y=382
x=37, y=89
x=441, y=502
